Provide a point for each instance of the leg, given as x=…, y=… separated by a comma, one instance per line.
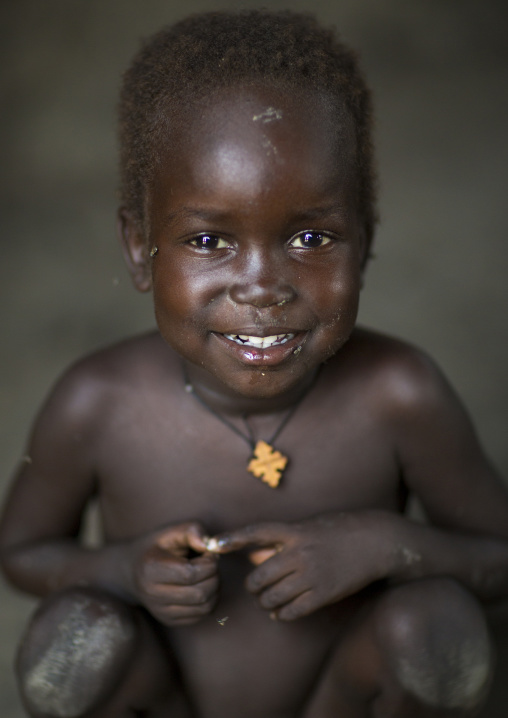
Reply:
x=87, y=653
x=420, y=649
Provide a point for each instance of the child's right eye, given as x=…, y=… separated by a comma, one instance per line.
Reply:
x=209, y=241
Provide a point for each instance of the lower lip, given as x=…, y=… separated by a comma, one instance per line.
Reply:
x=254, y=356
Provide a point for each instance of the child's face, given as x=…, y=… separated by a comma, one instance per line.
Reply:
x=254, y=216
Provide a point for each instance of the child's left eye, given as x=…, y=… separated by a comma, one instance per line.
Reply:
x=209, y=241
x=309, y=240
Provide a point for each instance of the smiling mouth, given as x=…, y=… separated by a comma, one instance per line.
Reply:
x=259, y=342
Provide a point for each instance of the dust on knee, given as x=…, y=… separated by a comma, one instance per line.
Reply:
x=438, y=645
x=73, y=652
x=455, y=678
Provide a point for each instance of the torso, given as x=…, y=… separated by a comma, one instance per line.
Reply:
x=163, y=459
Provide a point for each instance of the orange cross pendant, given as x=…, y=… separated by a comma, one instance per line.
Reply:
x=267, y=464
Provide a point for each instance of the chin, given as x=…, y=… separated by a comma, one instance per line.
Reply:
x=267, y=383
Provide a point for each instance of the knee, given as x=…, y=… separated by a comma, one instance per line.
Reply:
x=435, y=640
x=74, y=652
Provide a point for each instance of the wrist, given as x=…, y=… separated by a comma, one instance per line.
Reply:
x=391, y=541
x=406, y=556
x=122, y=560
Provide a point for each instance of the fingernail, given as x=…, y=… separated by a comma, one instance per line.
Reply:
x=273, y=616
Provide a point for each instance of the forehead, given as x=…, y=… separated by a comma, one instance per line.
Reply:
x=256, y=137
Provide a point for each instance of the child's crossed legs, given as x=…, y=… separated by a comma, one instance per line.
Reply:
x=419, y=649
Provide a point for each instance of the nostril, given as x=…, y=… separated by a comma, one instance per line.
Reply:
x=261, y=295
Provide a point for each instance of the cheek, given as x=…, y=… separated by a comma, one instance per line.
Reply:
x=338, y=305
x=337, y=298
x=183, y=301
x=173, y=303
x=175, y=292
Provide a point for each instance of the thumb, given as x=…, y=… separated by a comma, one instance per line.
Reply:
x=179, y=539
x=264, y=535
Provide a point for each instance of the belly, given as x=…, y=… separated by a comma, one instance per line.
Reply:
x=251, y=665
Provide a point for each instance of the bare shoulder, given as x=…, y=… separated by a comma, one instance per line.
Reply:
x=398, y=375
x=437, y=449
x=51, y=487
x=91, y=386
x=133, y=359
x=91, y=394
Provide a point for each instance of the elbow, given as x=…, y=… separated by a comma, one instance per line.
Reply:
x=12, y=564
x=21, y=569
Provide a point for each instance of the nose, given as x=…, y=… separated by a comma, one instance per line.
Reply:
x=261, y=283
x=261, y=294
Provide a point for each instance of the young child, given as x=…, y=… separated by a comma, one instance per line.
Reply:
x=252, y=459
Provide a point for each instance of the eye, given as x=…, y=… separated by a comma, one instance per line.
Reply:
x=309, y=240
x=210, y=242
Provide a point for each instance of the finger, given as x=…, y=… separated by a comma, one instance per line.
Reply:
x=266, y=534
x=268, y=573
x=182, y=621
x=184, y=595
x=179, y=539
x=261, y=555
x=171, y=614
x=197, y=538
x=283, y=592
x=179, y=571
x=301, y=606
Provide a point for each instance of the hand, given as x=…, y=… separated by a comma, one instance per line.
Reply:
x=310, y=564
x=176, y=589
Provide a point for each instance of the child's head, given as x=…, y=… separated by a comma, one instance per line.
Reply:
x=203, y=54
x=247, y=162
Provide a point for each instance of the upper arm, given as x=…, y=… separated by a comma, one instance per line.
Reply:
x=57, y=477
x=439, y=453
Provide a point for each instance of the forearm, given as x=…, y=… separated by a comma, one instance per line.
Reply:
x=479, y=562
x=47, y=566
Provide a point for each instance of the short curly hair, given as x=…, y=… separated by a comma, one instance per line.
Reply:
x=214, y=50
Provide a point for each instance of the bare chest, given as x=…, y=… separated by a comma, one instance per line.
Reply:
x=156, y=470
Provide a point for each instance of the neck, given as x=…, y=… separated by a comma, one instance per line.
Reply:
x=223, y=399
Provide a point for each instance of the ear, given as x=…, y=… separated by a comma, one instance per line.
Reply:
x=135, y=250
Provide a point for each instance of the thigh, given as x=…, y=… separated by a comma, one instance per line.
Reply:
x=151, y=686
x=348, y=681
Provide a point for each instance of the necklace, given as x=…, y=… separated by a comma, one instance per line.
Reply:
x=265, y=462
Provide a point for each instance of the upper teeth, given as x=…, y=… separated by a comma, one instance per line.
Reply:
x=259, y=342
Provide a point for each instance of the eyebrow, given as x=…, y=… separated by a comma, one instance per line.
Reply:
x=331, y=210
x=209, y=214
x=194, y=213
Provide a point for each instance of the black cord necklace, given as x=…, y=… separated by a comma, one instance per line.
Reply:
x=265, y=462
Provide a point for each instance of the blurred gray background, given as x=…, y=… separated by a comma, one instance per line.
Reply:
x=439, y=70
